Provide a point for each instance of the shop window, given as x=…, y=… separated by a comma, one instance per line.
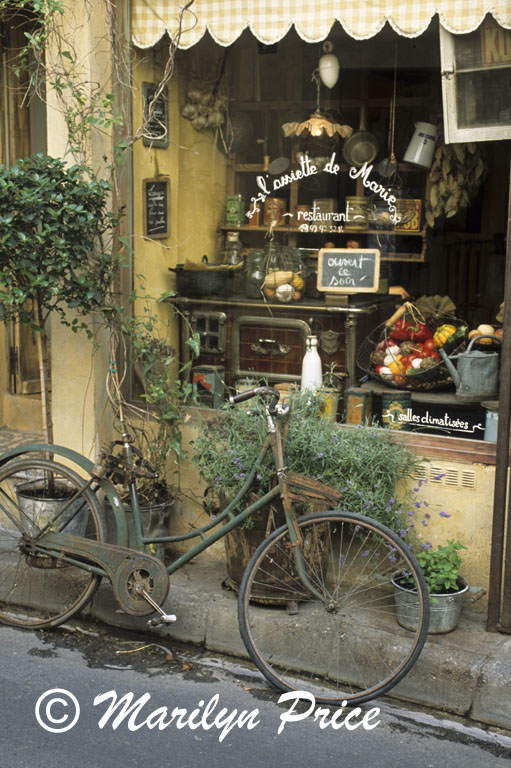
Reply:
x=476, y=83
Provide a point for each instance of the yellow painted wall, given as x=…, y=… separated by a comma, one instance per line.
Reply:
x=464, y=491
x=196, y=170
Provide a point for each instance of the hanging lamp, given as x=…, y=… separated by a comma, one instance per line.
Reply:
x=318, y=123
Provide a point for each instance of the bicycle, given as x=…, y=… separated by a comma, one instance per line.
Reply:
x=315, y=606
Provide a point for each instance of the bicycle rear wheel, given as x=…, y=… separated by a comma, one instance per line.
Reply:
x=37, y=590
x=342, y=643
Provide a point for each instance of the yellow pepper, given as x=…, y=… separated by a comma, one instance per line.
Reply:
x=442, y=334
x=396, y=365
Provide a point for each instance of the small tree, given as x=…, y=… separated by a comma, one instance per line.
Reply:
x=54, y=222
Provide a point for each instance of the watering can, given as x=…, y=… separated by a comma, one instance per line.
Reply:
x=476, y=374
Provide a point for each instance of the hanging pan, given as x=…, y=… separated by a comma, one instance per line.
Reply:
x=362, y=146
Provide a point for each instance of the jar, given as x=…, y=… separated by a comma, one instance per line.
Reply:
x=255, y=274
x=357, y=213
x=274, y=210
x=233, y=248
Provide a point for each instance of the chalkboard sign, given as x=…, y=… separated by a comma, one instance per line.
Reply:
x=348, y=270
x=156, y=198
x=156, y=133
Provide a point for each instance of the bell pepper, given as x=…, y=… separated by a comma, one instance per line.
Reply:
x=442, y=334
x=405, y=330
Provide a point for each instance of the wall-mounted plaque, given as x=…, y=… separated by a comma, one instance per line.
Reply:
x=156, y=116
x=156, y=201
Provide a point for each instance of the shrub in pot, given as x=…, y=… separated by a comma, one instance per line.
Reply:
x=365, y=464
x=54, y=222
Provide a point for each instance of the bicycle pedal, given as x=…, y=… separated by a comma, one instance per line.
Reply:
x=166, y=618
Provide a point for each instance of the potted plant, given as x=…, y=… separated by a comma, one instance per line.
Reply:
x=331, y=392
x=447, y=588
x=364, y=464
x=157, y=417
x=53, y=223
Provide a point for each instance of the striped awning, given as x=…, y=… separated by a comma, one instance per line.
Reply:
x=270, y=20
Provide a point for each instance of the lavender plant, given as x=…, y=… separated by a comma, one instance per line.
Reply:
x=364, y=463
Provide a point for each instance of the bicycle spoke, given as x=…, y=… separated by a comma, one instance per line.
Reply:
x=36, y=589
x=347, y=645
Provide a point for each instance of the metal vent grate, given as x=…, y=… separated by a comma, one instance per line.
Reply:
x=451, y=476
x=420, y=472
x=436, y=474
x=468, y=478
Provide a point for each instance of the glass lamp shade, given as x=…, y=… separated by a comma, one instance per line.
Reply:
x=329, y=69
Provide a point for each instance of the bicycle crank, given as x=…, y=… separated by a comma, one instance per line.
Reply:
x=140, y=582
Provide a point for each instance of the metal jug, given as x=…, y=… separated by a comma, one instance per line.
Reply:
x=476, y=375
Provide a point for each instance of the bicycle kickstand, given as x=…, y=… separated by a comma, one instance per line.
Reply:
x=163, y=618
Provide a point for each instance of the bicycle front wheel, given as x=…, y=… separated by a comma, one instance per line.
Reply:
x=37, y=590
x=333, y=633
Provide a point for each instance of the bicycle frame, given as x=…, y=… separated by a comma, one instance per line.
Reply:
x=215, y=529
x=227, y=520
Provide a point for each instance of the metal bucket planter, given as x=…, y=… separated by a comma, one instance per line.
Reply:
x=40, y=510
x=155, y=522
x=445, y=609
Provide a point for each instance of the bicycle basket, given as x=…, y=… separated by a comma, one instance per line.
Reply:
x=433, y=375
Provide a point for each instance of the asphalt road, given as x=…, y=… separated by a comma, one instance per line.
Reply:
x=194, y=710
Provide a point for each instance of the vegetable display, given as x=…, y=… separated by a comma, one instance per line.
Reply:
x=405, y=353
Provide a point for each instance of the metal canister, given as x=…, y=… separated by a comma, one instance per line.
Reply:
x=359, y=405
x=235, y=210
x=395, y=408
x=300, y=210
x=209, y=385
x=274, y=210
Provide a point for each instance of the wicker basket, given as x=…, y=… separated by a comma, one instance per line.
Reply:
x=435, y=377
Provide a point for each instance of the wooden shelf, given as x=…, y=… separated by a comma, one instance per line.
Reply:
x=297, y=231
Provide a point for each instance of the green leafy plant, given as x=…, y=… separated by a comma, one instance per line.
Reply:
x=331, y=379
x=364, y=463
x=54, y=222
x=155, y=409
x=440, y=566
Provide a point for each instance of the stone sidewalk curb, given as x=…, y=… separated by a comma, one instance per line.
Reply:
x=466, y=672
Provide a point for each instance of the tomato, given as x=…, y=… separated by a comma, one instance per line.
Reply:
x=406, y=361
x=428, y=347
x=435, y=355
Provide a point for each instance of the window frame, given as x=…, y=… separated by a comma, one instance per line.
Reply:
x=453, y=133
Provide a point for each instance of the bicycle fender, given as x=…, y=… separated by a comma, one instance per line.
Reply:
x=106, y=486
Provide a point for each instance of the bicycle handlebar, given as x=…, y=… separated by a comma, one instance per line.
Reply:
x=257, y=391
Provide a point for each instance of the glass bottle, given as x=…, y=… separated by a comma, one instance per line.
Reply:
x=255, y=274
x=312, y=376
